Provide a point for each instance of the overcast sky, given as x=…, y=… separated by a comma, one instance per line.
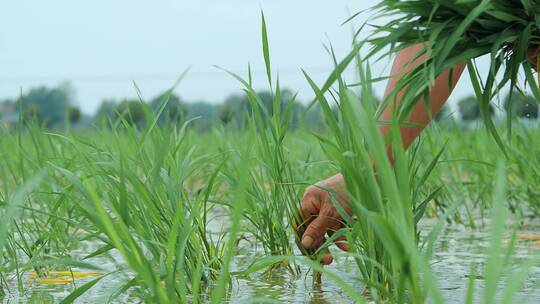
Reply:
x=102, y=46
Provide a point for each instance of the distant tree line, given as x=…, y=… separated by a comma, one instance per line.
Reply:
x=516, y=104
x=51, y=107
x=232, y=113
x=55, y=108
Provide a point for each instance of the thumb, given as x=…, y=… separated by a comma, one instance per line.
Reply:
x=315, y=232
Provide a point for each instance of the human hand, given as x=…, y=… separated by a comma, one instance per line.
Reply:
x=320, y=216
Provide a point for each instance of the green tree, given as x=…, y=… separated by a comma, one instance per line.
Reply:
x=226, y=114
x=298, y=115
x=469, y=109
x=522, y=106
x=50, y=104
x=312, y=118
x=238, y=106
x=205, y=113
x=106, y=110
x=174, y=111
x=132, y=111
x=74, y=114
x=32, y=113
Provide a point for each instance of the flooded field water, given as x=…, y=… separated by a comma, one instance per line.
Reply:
x=457, y=248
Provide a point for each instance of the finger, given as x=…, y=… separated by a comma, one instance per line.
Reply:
x=315, y=232
x=310, y=206
x=341, y=243
x=300, y=223
x=309, y=209
x=327, y=259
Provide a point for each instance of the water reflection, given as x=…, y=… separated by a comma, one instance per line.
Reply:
x=456, y=249
x=39, y=297
x=318, y=294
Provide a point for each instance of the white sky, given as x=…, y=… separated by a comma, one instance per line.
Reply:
x=101, y=46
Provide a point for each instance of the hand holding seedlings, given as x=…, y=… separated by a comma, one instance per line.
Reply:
x=320, y=217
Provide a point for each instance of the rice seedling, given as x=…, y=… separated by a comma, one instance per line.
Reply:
x=40, y=232
x=272, y=191
x=130, y=192
x=466, y=171
x=146, y=213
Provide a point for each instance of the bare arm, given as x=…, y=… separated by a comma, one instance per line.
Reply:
x=439, y=94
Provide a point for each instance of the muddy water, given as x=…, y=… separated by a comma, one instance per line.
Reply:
x=457, y=248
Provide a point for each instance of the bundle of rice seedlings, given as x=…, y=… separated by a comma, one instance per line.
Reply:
x=457, y=31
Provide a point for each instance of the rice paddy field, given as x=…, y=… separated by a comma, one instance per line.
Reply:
x=170, y=215
x=165, y=214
